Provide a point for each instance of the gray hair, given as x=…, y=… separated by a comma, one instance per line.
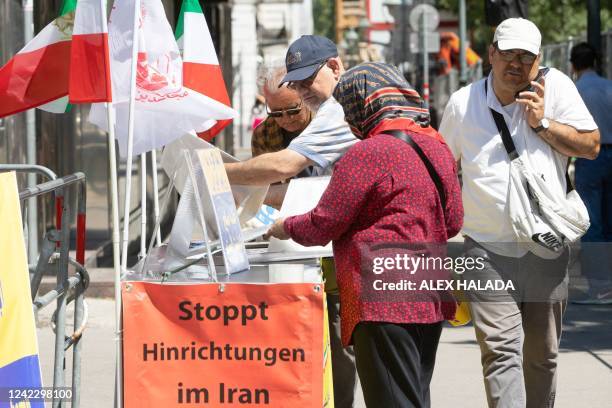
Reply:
x=269, y=76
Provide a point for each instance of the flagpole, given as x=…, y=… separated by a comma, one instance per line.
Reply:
x=112, y=161
x=32, y=217
x=155, y=196
x=143, y=205
x=128, y=176
x=130, y=143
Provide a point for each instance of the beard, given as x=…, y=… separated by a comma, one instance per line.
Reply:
x=313, y=103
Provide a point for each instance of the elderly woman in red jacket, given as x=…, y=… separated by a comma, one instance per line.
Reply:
x=382, y=194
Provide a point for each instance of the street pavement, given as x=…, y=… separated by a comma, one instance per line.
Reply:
x=585, y=362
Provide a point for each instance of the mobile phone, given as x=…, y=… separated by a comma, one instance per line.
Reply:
x=530, y=87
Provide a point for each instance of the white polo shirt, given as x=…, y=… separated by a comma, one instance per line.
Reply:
x=471, y=134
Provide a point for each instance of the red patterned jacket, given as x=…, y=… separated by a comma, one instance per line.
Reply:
x=381, y=192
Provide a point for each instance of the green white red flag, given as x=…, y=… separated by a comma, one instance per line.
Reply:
x=89, y=58
x=46, y=73
x=164, y=109
x=38, y=74
x=201, y=69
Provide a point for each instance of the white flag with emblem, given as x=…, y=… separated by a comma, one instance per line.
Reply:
x=164, y=109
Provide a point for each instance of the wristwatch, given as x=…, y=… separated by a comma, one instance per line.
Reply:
x=544, y=124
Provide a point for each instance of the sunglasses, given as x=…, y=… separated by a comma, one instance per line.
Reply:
x=526, y=58
x=306, y=83
x=279, y=113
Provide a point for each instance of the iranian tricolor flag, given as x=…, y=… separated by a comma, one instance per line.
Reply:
x=38, y=75
x=164, y=109
x=59, y=64
x=89, y=59
x=201, y=70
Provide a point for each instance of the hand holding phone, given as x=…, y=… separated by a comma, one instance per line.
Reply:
x=534, y=104
x=530, y=87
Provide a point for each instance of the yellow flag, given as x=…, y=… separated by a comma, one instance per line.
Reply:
x=19, y=363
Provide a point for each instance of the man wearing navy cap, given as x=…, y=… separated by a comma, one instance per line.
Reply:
x=313, y=70
x=305, y=58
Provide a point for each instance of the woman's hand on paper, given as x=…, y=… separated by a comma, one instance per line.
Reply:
x=277, y=230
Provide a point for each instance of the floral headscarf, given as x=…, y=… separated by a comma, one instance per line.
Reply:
x=373, y=92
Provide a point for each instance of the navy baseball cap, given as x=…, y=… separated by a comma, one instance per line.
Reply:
x=305, y=55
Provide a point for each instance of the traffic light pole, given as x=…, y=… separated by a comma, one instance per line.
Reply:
x=462, y=43
x=403, y=11
x=425, y=60
x=594, y=25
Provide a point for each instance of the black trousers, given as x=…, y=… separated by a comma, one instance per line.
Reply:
x=395, y=362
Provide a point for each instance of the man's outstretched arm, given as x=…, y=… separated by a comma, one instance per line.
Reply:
x=267, y=168
x=276, y=195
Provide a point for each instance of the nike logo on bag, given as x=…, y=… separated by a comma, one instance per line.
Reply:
x=604, y=295
x=548, y=240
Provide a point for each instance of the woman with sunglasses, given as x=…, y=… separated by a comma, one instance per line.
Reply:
x=382, y=193
x=287, y=116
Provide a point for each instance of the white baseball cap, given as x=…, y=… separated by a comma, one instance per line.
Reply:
x=518, y=33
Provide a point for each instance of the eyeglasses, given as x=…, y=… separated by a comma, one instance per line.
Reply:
x=306, y=83
x=289, y=112
x=525, y=57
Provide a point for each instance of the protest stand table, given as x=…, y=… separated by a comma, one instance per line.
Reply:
x=257, y=337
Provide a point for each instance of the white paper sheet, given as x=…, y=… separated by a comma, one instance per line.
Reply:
x=302, y=196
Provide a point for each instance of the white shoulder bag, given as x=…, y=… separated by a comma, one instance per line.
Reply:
x=546, y=218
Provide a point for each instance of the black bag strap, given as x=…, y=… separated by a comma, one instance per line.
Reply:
x=500, y=122
x=502, y=127
x=404, y=136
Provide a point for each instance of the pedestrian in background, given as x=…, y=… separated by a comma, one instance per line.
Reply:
x=594, y=179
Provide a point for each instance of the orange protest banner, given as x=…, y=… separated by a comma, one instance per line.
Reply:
x=223, y=345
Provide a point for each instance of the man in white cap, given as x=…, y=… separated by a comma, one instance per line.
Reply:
x=518, y=330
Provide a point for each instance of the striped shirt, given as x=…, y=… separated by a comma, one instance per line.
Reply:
x=268, y=137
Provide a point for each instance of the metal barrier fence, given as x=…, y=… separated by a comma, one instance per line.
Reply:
x=443, y=87
x=553, y=55
x=558, y=55
x=55, y=253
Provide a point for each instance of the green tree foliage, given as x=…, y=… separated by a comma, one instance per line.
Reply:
x=557, y=20
x=561, y=19
x=323, y=14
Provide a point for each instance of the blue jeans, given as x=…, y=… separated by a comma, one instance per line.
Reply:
x=594, y=184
